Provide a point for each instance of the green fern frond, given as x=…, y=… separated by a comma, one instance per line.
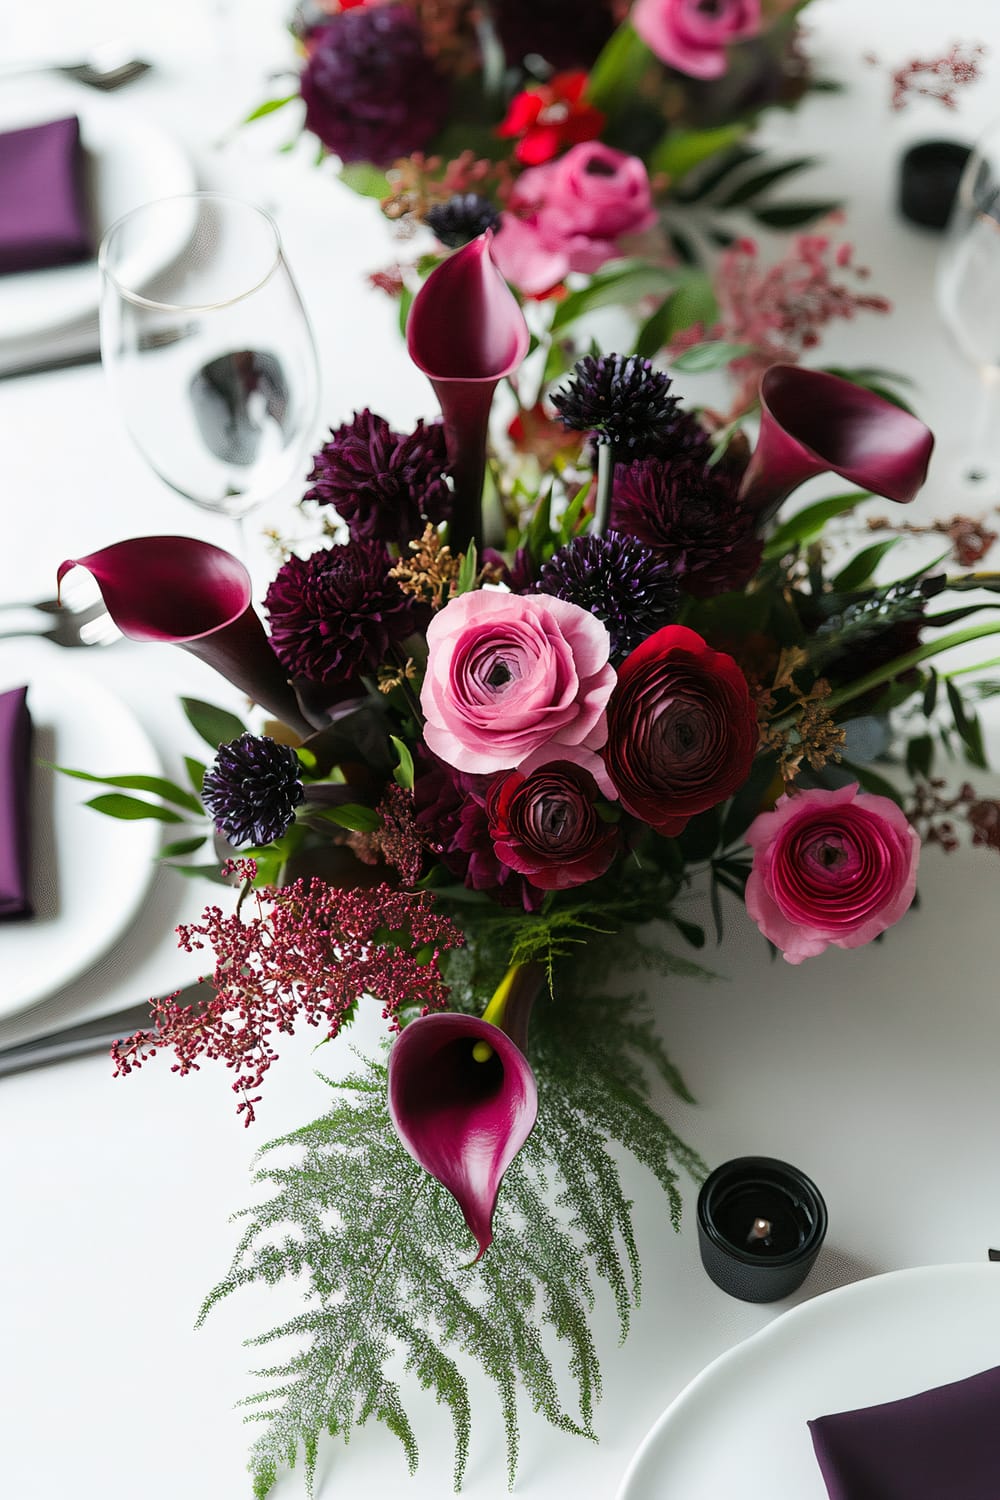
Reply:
x=380, y=1249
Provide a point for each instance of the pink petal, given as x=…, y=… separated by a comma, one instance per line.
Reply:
x=187, y=593
x=812, y=422
x=466, y=332
x=464, y=1121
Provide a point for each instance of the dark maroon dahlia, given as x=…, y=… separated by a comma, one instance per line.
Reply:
x=619, y=580
x=371, y=92
x=252, y=789
x=567, y=33
x=690, y=516
x=337, y=613
x=384, y=485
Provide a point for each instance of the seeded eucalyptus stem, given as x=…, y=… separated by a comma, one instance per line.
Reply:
x=605, y=480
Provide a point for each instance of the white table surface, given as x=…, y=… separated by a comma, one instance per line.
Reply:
x=875, y=1071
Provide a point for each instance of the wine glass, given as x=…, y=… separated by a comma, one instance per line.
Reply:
x=968, y=287
x=208, y=349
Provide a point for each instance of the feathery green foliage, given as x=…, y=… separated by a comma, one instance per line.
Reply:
x=379, y=1247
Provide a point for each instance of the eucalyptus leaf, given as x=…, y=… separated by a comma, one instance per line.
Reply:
x=216, y=726
x=158, y=786
x=808, y=524
x=131, y=809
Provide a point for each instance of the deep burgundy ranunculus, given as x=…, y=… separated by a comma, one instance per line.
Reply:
x=547, y=827
x=682, y=729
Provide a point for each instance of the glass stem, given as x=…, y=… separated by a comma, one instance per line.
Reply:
x=981, y=465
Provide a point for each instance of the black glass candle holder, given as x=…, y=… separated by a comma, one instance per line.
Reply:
x=761, y=1223
x=929, y=175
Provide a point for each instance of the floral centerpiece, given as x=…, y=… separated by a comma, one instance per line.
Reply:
x=509, y=729
x=610, y=148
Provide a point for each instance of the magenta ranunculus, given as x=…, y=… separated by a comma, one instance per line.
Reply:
x=510, y=673
x=830, y=867
x=547, y=827
x=569, y=214
x=692, y=35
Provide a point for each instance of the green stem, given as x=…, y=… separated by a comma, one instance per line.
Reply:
x=605, y=480
x=904, y=663
x=978, y=666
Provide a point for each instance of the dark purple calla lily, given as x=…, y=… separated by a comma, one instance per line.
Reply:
x=812, y=422
x=184, y=592
x=463, y=1098
x=466, y=332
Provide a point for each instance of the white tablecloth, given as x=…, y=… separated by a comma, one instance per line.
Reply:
x=874, y=1071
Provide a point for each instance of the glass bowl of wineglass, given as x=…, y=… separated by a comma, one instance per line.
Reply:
x=968, y=291
x=208, y=349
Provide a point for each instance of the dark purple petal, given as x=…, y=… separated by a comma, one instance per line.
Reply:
x=812, y=422
x=184, y=592
x=466, y=332
x=463, y=1120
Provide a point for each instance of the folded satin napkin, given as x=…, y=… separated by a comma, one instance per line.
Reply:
x=15, y=797
x=941, y=1445
x=43, y=219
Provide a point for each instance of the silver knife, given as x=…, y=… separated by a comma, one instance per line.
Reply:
x=85, y=1037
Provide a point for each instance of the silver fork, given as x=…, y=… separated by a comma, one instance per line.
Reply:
x=106, y=68
x=65, y=624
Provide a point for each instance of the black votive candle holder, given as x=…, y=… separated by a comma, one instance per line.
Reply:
x=929, y=175
x=761, y=1223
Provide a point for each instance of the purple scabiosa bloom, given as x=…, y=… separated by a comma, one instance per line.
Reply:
x=337, y=613
x=384, y=485
x=371, y=91
x=621, y=400
x=618, y=579
x=690, y=516
x=252, y=789
x=462, y=218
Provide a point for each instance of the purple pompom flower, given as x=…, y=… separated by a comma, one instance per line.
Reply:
x=252, y=789
x=371, y=92
x=337, y=613
x=691, y=518
x=618, y=579
x=462, y=218
x=620, y=399
x=384, y=485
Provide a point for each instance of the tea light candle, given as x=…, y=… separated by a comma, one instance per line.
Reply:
x=761, y=1223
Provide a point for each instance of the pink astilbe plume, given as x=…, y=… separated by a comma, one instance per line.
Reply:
x=780, y=311
x=305, y=954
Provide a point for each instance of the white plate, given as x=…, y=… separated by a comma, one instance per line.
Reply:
x=739, y=1429
x=90, y=874
x=129, y=161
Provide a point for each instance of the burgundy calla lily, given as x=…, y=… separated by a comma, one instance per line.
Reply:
x=184, y=592
x=812, y=422
x=463, y=1098
x=466, y=332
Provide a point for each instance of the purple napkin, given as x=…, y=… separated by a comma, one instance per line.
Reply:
x=42, y=212
x=941, y=1445
x=15, y=779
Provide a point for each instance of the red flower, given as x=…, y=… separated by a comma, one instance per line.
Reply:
x=550, y=117
x=546, y=826
x=682, y=730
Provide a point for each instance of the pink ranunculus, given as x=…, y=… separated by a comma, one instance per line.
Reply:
x=569, y=215
x=692, y=35
x=830, y=867
x=510, y=673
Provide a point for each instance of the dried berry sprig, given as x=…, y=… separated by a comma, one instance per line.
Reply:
x=932, y=813
x=305, y=955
